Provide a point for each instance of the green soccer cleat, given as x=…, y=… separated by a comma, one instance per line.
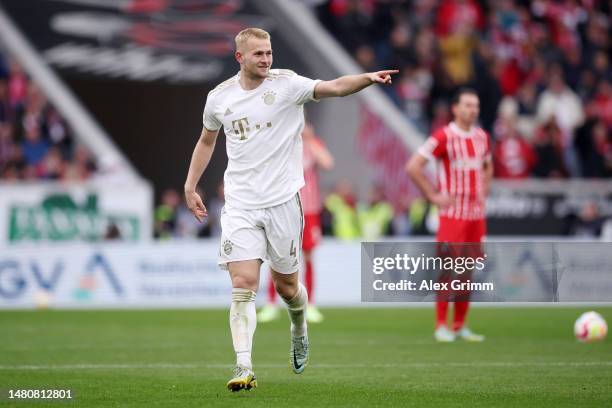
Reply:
x=313, y=315
x=268, y=313
x=244, y=379
x=468, y=335
x=298, y=355
x=444, y=335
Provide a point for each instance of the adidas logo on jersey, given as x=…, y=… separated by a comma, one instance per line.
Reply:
x=228, y=112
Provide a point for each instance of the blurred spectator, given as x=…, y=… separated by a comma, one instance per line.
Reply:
x=375, y=216
x=52, y=166
x=112, y=232
x=400, y=224
x=5, y=112
x=454, y=16
x=341, y=205
x=601, y=65
x=527, y=105
x=441, y=115
x=8, y=148
x=561, y=103
x=558, y=101
x=423, y=217
x=365, y=57
x=588, y=223
x=166, y=215
x=351, y=20
x=34, y=147
x=399, y=51
x=513, y=157
x=17, y=85
x=58, y=131
x=572, y=67
x=413, y=91
x=601, y=105
x=457, y=23
x=549, y=151
x=82, y=166
x=586, y=86
x=595, y=149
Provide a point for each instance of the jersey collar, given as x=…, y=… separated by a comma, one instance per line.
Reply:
x=456, y=129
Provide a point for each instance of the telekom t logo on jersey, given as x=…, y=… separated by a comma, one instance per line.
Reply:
x=242, y=129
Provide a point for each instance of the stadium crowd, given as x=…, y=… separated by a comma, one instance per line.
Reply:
x=541, y=68
x=35, y=141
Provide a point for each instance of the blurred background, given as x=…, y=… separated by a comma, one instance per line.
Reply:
x=101, y=104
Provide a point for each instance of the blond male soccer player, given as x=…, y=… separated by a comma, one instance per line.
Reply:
x=262, y=114
x=463, y=157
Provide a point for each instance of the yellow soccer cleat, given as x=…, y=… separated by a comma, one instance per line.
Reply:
x=268, y=313
x=468, y=335
x=444, y=335
x=244, y=379
x=313, y=315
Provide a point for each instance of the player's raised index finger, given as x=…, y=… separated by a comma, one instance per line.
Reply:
x=389, y=72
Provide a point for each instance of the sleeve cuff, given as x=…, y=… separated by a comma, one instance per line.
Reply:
x=312, y=93
x=425, y=153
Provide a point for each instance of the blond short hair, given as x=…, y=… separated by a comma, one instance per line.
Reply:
x=243, y=36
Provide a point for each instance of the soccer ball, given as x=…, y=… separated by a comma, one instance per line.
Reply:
x=590, y=326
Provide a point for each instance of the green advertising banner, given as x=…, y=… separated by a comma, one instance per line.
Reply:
x=60, y=213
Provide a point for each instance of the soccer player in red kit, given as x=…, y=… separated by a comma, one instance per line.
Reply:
x=315, y=157
x=464, y=171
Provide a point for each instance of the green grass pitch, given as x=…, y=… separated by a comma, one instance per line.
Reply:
x=359, y=358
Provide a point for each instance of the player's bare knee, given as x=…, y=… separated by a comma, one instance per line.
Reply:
x=286, y=289
x=244, y=282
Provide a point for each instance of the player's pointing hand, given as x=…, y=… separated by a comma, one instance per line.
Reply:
x=195, y=204
x=382, y=77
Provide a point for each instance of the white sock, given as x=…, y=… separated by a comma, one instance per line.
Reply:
x=243, y=320
x=297, y=311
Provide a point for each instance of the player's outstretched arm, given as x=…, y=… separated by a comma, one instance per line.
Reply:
x=416, y=170
x=349, y=84
x=199, y=160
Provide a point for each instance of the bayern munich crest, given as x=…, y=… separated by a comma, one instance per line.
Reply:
x=269, y=97
x=227, y=247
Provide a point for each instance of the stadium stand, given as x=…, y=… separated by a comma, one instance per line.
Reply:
x=36, y=143
x=542, y=70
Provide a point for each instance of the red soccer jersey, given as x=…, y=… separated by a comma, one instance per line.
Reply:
x=460, y=157
x=310, y=194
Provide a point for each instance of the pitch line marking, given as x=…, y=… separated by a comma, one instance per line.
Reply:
x=491, y=364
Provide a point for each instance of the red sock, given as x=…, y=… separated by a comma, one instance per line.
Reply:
x=441, y=312
x=442, y=297
x=271, y=292
x=461, y=309
x=309, y=280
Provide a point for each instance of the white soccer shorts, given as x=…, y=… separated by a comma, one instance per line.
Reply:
x=273, y=234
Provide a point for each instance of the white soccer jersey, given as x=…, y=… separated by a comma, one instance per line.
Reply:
x=263, y=130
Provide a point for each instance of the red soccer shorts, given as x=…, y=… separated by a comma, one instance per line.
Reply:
x=467, y=236
x=312, y=231
x=452, y=230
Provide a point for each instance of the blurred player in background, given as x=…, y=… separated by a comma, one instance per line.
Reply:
x=262, y=114
x=464, y=172
x=316, y=156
